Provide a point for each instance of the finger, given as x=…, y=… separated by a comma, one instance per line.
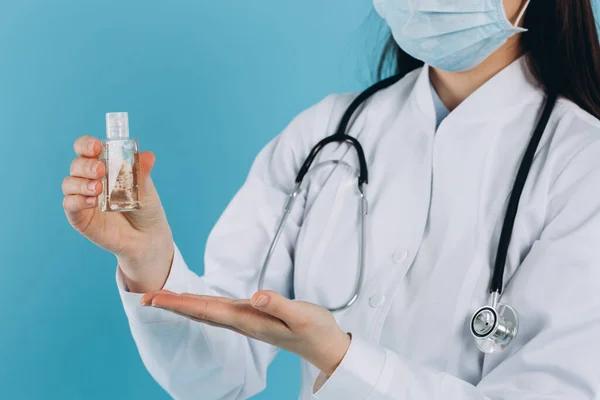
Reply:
x=83, y=186
x=249, y=322
x=216, y=325
x=87, y=146
x=146, y=299
x=214, y=298
x=279, y=307
x=147, y=161
x=199, y=307
x=215, y=310
x=203, y=321
x=87, y=168
x=152, y=210
x=238, y=316
x=77, y=202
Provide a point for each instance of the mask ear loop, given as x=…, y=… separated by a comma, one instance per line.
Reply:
x=520, y=17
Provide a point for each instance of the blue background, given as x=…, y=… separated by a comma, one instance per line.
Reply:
x=207, y=84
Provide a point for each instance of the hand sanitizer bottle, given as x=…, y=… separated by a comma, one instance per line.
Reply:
x=121, y=186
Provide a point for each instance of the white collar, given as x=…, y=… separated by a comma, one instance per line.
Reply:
x=510, y=88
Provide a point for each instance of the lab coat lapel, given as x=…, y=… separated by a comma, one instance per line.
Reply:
x=399, y=194
x=507, y=90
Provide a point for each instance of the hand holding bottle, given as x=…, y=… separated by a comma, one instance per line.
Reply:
x=141, y=239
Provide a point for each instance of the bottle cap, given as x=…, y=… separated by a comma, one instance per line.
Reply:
x=117, y=125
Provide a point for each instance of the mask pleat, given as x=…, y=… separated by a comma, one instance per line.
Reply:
x=426, y=25
x=450, y=6
x=452, y=35
x=461, y=58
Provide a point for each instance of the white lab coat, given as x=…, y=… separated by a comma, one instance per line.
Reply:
x=437, y=202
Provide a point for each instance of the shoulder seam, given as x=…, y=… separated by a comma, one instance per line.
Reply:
x=568, y=163
x=574, y=109
x=564, y=107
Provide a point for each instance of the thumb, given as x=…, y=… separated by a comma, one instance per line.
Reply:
x=147, y=160
x=278, y=306
x=152, y=210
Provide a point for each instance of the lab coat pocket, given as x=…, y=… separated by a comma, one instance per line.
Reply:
x=328, y=248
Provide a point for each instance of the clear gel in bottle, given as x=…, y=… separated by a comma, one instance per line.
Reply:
x=121, y=186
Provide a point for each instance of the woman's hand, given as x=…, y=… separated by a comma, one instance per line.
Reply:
x=141, y=240
x=305, y=329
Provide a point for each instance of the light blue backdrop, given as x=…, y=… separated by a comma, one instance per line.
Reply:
x=207, y=84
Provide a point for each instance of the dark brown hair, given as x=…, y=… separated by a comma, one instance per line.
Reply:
x=562, y=46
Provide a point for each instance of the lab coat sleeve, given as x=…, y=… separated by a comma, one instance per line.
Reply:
x=556, y=292
x=191, y=360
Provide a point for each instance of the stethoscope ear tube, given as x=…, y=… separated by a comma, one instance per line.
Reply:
x=363, y=176
x=363, y=179
x=341, y=135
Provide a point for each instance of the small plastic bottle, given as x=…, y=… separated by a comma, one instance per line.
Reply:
x=121, y=186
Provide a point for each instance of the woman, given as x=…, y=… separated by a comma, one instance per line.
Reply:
x=443, y=146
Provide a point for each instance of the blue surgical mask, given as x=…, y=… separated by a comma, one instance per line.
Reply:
x=452, y=35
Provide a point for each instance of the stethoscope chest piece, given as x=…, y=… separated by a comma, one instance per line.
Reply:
x=494, y=328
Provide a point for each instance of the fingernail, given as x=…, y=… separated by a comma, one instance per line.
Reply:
x=144, y=303
x=261, y=301
x=90, y=146
x=95, y=167
x=92, y=186
x=91, y=201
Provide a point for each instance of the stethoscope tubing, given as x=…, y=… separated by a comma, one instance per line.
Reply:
x=497, y=284
x=505, y=326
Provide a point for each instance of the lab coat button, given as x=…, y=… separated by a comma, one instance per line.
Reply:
x=399, y=256
x=376, y=300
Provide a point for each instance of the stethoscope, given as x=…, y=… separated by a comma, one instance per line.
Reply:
x=494, y=326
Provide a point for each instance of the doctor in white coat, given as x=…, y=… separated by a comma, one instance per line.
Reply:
x=443, y=146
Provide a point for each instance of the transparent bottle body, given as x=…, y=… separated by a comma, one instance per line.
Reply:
x=121, y=185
